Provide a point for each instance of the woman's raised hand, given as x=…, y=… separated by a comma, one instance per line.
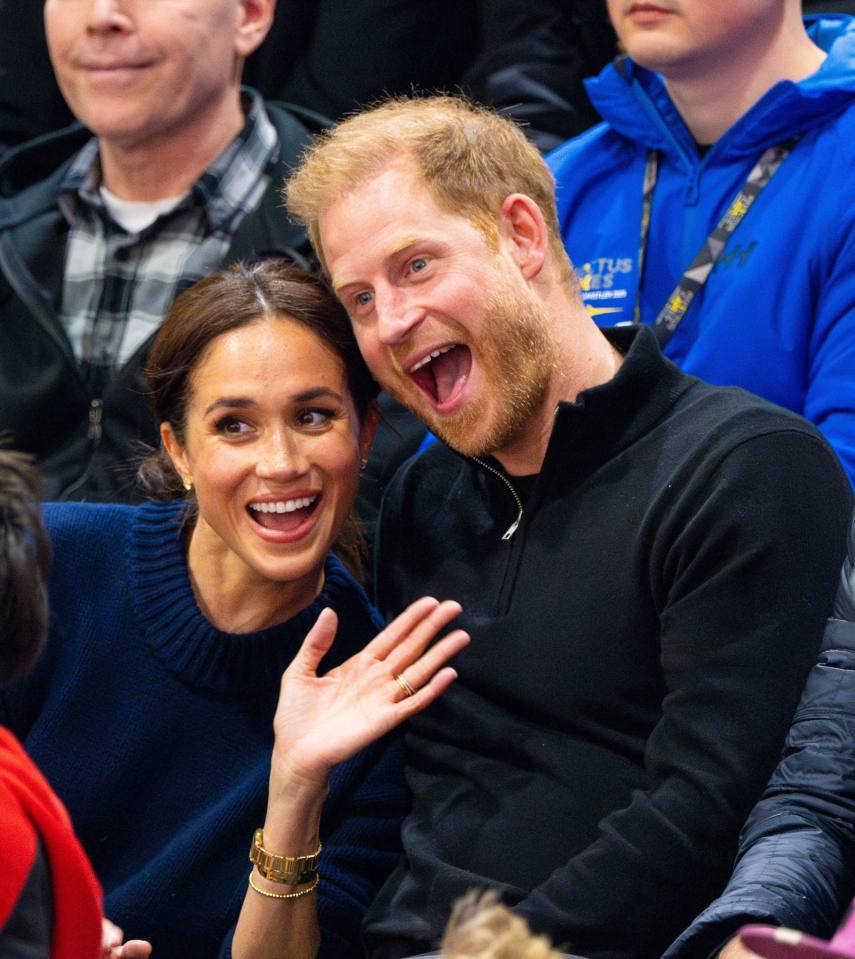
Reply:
x=322, y=720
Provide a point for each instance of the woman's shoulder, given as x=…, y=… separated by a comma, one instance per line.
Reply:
x=104, y=520
x=76, y=517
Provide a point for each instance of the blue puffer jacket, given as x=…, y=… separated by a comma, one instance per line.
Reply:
x=796, y=861
x=777, y=316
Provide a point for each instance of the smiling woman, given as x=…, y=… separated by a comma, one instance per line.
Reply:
x=181, y=710
x=260, y=388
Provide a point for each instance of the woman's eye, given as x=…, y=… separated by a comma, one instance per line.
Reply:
x=232, y=426
x=363, y=299
x=314, y=417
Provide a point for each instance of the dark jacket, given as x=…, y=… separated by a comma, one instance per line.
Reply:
x=86, y=445
x=796, y=861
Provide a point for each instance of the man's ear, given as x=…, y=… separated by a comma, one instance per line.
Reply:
x=176, y=452
x=368, y=429
x=255, y=17
x=522, y=226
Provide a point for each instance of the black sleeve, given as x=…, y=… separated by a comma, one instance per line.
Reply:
x=745, y=570
x=796, y=862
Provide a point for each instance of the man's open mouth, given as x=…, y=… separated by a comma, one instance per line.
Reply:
x=283, y=515
x=442, y=374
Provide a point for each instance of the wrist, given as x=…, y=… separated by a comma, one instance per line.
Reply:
x=298, y=778
x=294, y=806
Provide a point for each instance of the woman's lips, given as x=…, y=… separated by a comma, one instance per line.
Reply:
x=285, y=525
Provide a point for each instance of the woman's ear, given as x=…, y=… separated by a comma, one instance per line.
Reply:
x=522, y=224
x=176, y=453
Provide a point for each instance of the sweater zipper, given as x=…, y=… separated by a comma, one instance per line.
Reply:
x=509, y=532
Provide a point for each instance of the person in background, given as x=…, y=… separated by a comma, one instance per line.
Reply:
x=154, y=708
x=527, y=59
x=796, y=860
x=530, y=59
x=50, y=899
x=174, y=172
x=716, y=202
x=645, y=562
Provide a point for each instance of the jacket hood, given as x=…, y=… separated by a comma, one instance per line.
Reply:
x=787, y=109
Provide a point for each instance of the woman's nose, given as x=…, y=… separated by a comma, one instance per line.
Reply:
x=282, y=456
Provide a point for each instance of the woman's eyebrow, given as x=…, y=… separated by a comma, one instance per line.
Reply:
x=240, y=401
x=244, y=402
x=316, y=393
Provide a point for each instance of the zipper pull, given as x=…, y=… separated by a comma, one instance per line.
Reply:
x=96, y=412
x=509, y=532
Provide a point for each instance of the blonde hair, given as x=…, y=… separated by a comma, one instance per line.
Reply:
x=482, y=928
x=468, y=156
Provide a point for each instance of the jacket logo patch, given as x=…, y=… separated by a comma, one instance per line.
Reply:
x=603, y=280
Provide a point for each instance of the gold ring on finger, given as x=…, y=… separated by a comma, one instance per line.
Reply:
x=401, y=680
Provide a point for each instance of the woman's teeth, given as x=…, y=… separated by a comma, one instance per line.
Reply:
x=283, y=506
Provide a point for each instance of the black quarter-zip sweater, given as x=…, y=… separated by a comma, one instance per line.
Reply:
x=638, y=648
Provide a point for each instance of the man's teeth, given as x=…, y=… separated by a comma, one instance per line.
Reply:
x=283, y=505
x=427, y=359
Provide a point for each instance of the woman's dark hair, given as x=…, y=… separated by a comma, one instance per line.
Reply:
x=225, y=301
x=25, y=557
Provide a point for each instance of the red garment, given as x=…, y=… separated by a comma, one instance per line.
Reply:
x=29, y=808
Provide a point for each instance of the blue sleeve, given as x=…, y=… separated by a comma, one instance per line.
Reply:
x=830, y=396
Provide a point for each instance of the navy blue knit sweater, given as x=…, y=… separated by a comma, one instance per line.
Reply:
x=155, y=729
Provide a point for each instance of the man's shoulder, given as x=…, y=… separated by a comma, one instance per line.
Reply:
x=31, y=174
x=719, y=419
x=429, y=472
x=601, y=145
x=738, y=412
x=295, y=126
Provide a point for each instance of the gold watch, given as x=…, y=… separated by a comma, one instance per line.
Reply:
x=291, y=870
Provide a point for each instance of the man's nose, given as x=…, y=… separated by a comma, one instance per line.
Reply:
x=108, y=16
x=397, y=317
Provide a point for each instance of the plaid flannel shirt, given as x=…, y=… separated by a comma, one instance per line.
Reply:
x=117, y=286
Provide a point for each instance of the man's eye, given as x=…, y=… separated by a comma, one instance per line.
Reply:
x=418, y=264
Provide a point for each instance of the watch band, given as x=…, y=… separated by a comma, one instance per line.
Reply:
x=291, y=870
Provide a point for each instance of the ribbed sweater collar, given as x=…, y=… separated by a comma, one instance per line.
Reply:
x=180, y=636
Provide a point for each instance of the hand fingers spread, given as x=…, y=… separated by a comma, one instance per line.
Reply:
x=419, y=673
x=423, y=697
x=412, y=644
x=317, y=643
x=386, y=640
